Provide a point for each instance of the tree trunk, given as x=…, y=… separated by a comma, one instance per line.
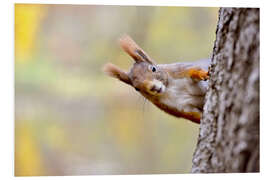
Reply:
x=229, y=130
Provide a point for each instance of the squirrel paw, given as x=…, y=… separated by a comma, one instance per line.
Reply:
x=198, y=74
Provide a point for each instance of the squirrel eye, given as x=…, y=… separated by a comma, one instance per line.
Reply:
x=154, y=69
x=137, y=89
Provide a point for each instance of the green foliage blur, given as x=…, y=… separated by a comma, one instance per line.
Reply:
x=71, y=119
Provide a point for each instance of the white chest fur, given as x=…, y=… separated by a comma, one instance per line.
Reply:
x=185, y=95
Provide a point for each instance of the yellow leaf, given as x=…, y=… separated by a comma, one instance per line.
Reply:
x=27, y=22
x=27, y=153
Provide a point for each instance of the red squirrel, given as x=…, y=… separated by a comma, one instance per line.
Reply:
x=177, y=88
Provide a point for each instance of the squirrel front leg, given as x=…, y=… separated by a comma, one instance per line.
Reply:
x=197, y=71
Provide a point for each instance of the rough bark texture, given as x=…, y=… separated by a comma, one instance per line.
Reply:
x=229, y=130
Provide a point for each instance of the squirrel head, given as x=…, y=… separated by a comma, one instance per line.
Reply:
x=145, y=75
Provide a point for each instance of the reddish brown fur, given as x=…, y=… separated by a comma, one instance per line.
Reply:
x=193, y=116
x=198, y=74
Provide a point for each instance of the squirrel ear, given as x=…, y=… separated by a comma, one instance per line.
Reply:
x=130, y=47
x=144, y=56
x=115, y=72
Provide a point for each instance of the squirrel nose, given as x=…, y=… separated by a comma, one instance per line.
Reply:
x=155, y=88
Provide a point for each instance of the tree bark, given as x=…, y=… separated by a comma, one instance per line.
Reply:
x=229, y=132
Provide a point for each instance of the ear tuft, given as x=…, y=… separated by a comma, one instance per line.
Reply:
x=116, y=72
x=110, y=70
x=130, y=47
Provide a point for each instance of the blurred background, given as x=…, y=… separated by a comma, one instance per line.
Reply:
x=71, y=119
